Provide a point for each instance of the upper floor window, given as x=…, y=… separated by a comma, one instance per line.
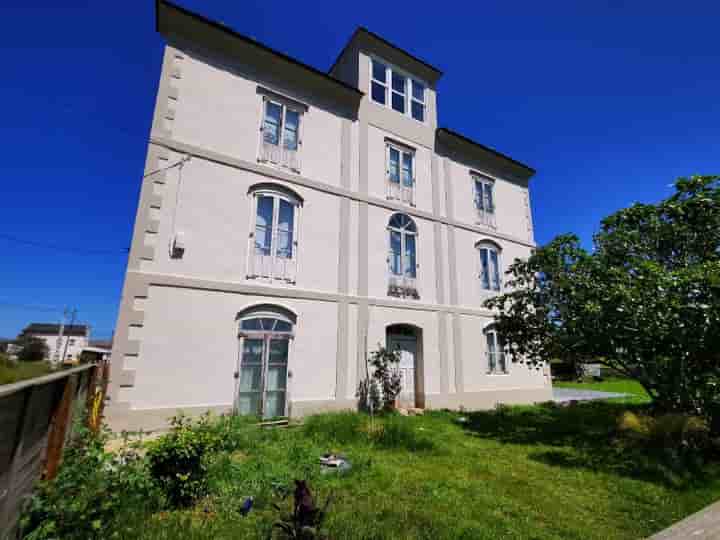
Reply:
x=274, y=239
x=280, y=134
x=400, y=173
x=484, y=198
x=390, y=87
x=402, y=259
x=489, y=265
x=495, y=352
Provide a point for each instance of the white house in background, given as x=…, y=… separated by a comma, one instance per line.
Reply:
x=291, y=220
x=64, y=342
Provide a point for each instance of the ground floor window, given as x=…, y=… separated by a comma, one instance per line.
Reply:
x=495, y=352
x=263, y=364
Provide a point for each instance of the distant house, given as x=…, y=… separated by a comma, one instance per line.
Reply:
x=63, y=344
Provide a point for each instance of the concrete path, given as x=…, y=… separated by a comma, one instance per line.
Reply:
x=563, y=395
x=703, y=525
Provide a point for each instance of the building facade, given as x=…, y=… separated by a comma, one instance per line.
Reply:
x=64, y=342
x=292, y=220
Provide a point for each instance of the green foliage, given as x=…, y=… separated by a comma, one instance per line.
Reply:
x=380, y=391
x=11, y=371
x=93, y=493
x=389, y=431
x=645, y=302
x=32, y=349
x=178, y=460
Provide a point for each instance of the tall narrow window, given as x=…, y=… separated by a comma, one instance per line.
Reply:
x=400, y=174
x=379, y=82
x=418, y=101
x=280, y=135
x=274, y=238
x=484, y=200
x=392, y=88
x=495, y=352
x=265, y=333
x=489, y=266
x=402, y=258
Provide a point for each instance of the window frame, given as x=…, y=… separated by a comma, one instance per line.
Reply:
x=402, y=151
x=285, y=106
x=409, y=283
x=277, y=194
x=499, y=350
x=490, y=247
x=408, y=96
x=266, y=336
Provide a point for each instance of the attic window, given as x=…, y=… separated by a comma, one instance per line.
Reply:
x=392, y=88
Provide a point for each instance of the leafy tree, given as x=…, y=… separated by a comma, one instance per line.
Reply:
x=32, y=349
x=645, y=301
x=383, y=384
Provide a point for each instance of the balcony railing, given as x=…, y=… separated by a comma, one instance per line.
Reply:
x=403, y=286
x=486, y=219
x=496, y=362
x=279, y=155
x=398, y=191
x=267, y=266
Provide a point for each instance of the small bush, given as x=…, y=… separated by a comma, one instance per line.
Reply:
x=178, y=460
x=93, y=494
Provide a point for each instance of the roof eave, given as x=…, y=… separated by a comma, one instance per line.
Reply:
x=167, y=32
x=522, y=168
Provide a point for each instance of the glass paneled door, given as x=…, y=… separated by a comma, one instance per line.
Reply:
x=263, y=373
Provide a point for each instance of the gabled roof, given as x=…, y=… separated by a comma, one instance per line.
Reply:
x=364, y=36
x=44, y=329
x=463, y=143
x=174, y=20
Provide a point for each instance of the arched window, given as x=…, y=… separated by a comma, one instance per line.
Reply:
x=490, y=266
x=494, y=351
x=264, y=336
x=274, y=236
x=402, y=259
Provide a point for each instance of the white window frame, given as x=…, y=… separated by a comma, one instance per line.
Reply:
x=279, y=155
x=408, y=97
x=266, y=336
x=399, y=191
x=493, y=365
x=403, y=284
x=485, y=212
x=272, y=267
x=490, y=247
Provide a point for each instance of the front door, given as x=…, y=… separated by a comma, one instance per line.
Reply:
x=262, y=387
x=406, y=346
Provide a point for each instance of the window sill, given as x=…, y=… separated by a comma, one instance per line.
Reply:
x=278, y=166
x=497, y=373
x=403, y=292
x=269, y=279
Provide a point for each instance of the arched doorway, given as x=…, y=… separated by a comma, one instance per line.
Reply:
x=406, y=339
x=264, y=335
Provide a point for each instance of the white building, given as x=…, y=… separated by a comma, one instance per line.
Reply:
x=64, y=342
x=319, y=215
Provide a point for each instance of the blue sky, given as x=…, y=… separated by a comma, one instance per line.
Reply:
x=609, y=101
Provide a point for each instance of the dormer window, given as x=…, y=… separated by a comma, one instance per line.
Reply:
x=393, y=88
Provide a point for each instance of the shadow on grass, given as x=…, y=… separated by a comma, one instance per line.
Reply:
x=585, y=436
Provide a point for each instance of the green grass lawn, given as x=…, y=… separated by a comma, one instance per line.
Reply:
x=637, y=394
x=11, y=372
x=542, y=472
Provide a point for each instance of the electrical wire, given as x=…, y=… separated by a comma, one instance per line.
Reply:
x=182, y=162
x=77, y=251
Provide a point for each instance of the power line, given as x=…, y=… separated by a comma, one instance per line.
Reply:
x=46, y=309
x=76, y=251
x=180, y=163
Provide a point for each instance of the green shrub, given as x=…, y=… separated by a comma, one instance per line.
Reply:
x=178, y=460
x=93, y=493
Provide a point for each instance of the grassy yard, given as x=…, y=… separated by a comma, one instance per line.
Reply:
x=543, y=472
x=11, y=372
x=637, y=394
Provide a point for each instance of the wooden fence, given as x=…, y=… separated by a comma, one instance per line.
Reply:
x=35, y=423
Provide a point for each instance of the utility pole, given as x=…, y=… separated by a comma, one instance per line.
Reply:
x=72, y=321
x=58, y=343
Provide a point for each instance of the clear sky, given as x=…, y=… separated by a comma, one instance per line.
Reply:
x=609, y=101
